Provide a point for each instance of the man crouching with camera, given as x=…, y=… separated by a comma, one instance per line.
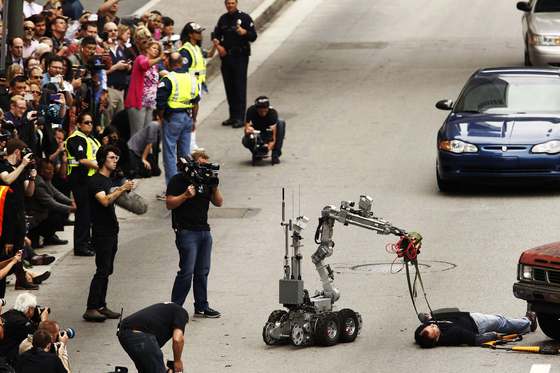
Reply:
x=188, y=195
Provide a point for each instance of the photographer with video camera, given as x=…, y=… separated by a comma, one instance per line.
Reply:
x=264, y=118
x=19, y=322
x=188, y=195
x=59, y=341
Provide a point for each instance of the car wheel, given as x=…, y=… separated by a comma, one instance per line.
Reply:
x=550, y=324
x=444, y=185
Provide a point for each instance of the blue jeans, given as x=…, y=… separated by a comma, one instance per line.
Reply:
x=500, y=324
x=144, y=351
x=195, y=249
x=177, y=129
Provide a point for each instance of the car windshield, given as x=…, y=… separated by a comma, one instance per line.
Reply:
x=507, y=94
x=543, y=6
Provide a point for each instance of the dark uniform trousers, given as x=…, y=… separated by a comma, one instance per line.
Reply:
x=105, y=245
x=82, y=222
x=234, y=73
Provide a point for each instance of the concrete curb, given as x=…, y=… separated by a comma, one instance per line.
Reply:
x=262, y=15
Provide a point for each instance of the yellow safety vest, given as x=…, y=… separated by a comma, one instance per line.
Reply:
x=92, y=147
x=184, y=88
x=198, y=66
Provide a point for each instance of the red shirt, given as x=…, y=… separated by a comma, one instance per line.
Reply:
x=136, y=87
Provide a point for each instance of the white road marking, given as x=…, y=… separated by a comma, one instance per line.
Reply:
x=540, y=368
x=266, y=44
x=146, y=7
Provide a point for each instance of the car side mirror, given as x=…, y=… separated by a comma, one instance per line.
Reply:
x=444, y=105
x=524, y=6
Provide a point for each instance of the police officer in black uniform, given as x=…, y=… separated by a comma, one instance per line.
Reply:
x=231, y=37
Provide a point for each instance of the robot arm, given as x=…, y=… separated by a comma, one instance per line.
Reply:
x=347, y=215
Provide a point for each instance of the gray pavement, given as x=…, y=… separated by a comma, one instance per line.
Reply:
x=356, y=81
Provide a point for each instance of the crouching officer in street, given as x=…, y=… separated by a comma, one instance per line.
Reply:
x=189, y=204
x=177, y=104
x=264, y=118
x=143, y=333
x=81, y=149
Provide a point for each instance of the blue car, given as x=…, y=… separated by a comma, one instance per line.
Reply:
x=505, y=126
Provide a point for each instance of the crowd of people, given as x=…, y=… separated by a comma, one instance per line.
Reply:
x=88, y=102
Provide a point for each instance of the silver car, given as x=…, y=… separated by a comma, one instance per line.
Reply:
x=541, y=32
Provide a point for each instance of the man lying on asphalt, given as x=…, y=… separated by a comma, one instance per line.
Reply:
x=455, y=328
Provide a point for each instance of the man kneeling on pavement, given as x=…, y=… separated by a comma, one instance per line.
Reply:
x=451, y=327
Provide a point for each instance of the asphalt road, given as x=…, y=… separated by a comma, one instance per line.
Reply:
x=356, y=82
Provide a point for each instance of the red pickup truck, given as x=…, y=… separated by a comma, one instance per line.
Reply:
x=538, y=282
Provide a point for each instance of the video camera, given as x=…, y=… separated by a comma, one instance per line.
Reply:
x=205, y=174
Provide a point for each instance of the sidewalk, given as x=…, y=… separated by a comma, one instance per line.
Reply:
x=205, y=13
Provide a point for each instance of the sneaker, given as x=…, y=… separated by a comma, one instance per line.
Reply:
x=161, y=196
x=108, y=313
x=275, y=160
x=533, y=319
x=94, y=315
x=209, y=313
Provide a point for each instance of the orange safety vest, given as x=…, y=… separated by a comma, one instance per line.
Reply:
x=4, y=190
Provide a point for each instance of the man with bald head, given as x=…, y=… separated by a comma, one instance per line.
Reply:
x=15, y=54
x=177, y=105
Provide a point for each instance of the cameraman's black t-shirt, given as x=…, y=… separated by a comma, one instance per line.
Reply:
x=104, y=220
x=159, y=320
x=193, y=213
x=261, y=123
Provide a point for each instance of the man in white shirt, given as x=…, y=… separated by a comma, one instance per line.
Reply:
x=29, y=43
x=30, y=8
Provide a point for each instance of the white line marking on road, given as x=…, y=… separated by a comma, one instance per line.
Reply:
x=146, y=7
x=540, y=368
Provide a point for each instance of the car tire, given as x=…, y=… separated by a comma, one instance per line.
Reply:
x=550, y=324
x=445, y=186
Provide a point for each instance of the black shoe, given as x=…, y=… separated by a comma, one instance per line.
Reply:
x=94, y=315
x=209, y=313
x=533, y=319
x=54, y=240
x=37, y=280
x=41, y=260
x=237, y=124
x=275, y=160
x=227, y=122
x=108, y=313
x=83, y=252
x=24, y=285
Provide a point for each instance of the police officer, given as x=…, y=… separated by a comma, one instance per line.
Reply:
x=193, y=57
x=231, y=37
x=177, y=104
x=81, y=150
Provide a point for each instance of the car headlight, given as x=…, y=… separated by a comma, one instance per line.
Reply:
x=457, y=146
x=544, y=40
x=549, y=147
x=525, y=272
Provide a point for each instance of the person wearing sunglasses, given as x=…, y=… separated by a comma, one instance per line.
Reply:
x=29, y=42
x=105, y=231
x=81, y=149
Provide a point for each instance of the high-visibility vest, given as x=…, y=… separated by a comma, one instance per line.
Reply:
x=198, y=66
x=184, y=88
x=4, y=190
x=92, y=147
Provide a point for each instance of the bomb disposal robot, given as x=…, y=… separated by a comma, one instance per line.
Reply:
x=312, y=319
